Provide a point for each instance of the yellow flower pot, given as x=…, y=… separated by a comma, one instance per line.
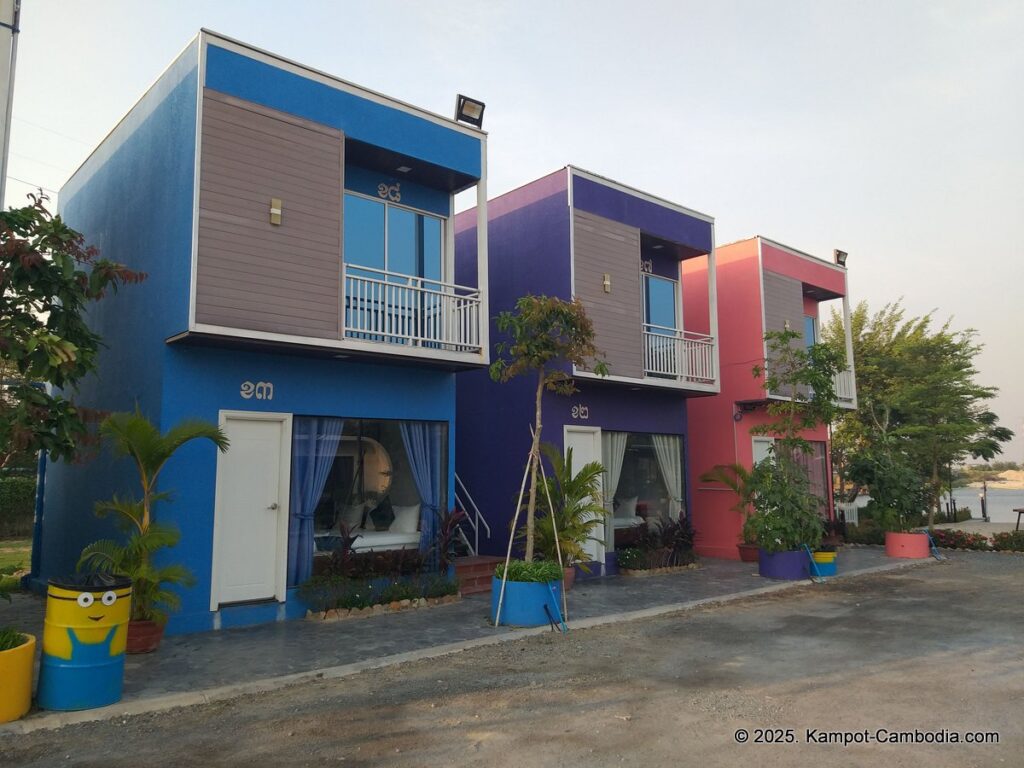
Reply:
x=16, y=680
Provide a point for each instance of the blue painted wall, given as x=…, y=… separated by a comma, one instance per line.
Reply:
x=414, y=195
x=132, y=199
x=203, y=381
x=359, y=118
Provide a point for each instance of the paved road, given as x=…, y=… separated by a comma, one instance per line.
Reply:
x=935, y=649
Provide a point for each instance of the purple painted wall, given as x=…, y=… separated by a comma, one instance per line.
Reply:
x=633, y=211
x=529, y=252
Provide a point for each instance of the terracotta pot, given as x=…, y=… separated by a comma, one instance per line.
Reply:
x=907, y=545
x=748, y=552
x=16, y=673
x=144, y=636
x=570, y=578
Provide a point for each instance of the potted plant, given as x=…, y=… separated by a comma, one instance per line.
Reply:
x=17, y=656
x=897, y=498
x=577, y=516
x=786, y=518
x=530, y=588
x=736, y=478
x=544, y=336
x=447, y=538
x=133, y=435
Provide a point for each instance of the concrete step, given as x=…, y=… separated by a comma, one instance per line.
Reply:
x=474, y=573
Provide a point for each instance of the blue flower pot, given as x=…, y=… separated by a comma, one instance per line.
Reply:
x=791, y=565
x=524, y=602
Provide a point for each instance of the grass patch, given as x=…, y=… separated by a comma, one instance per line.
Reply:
x=15, y=554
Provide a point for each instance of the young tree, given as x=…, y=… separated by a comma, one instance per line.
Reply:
x=546, y=336
x=48, y=278
x=917, y=392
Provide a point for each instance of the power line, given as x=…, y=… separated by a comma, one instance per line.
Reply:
x=35, y=186
x=55, y=133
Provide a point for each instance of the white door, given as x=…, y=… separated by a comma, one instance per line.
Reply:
x=250, y=529
x=586, y=447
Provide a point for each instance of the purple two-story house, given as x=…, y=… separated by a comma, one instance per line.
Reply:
x=620, y=251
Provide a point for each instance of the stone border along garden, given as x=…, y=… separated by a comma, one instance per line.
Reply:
x=380, y=609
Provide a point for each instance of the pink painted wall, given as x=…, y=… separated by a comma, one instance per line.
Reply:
x=715, y=436
x=694, y=279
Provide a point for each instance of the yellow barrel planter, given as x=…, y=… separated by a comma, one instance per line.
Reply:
x=16, y=679
x=83, y=642
x=825, y=563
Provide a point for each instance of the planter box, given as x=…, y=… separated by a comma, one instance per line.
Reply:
x=907, y=545
x=791, y=565
x=524, y=602
x=16, y=675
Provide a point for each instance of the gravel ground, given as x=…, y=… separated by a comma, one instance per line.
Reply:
x=932, y=648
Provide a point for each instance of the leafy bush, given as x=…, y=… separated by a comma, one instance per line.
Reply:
x=440, y=586
x=328, y=591
x=389, y=563
x=1008, y=541
x=960, y=539
x=539, y=571
x=11, y=638
x=632, y=559
x=867, y=531
x=17, y=506
x=400, y=590
x=787, y=512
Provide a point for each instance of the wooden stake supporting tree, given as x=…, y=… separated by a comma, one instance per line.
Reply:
x=546, y=337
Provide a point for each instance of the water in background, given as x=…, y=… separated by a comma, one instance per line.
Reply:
x=1001, y=503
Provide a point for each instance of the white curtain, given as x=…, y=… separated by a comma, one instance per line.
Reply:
x=668, y=449
x=613, y=451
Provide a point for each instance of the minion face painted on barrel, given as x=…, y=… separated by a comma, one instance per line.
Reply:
x=84, y=639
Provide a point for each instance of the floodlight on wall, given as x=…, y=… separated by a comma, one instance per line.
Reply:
x=840, y=257
x=469, y=110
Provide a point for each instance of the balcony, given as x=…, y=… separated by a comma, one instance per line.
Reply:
x=846, y=388
x=684, y=356
x=391, y=308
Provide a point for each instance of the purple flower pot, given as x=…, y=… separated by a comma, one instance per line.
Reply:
x=790, y=565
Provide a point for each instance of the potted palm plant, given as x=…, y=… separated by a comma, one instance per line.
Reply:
x=578, y=513
x=133, y=435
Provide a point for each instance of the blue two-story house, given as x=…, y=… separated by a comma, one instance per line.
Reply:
x=297, y=232
x=630, y=258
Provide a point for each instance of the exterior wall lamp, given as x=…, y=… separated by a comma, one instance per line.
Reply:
x=469, y=110
x=840, y=257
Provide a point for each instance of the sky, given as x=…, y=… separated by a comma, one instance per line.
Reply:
x=893, y=131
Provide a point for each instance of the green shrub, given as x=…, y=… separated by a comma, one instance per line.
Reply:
x=11, y=638
x=439, y=586
x=962, y=514
x=865, y=532
x=1008, y=541
x=17, y=506
x=400, y=590
x=951, y=539
x=632, y=559
x=539, y=571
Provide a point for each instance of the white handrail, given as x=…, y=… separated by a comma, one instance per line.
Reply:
x=679, y=354
x=394, y=308
x=476, y=520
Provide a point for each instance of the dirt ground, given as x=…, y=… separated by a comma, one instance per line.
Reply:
x=935, y=649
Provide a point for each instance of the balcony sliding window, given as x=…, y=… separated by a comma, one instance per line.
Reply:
x=663, y=356
x=386, y=238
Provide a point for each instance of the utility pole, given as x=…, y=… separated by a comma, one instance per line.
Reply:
x=10, y=17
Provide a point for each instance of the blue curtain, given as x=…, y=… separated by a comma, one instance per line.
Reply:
x=423, y=445
x=314, y=447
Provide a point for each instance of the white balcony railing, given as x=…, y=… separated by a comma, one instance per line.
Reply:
x=672, y=353
x=391, y=308
x=846, y=387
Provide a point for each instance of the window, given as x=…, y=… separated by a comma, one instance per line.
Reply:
x=660, y=296
x=383, y=236
x=644, y=478
x=810, y=330
x=384, y=481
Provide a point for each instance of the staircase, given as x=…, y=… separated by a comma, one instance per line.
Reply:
x=474, y=573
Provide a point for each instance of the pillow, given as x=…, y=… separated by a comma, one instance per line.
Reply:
x=352, y=516
x=382, y=516
x=407, y=519
x=627, y=507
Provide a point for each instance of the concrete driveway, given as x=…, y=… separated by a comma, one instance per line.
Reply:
x=929, y=653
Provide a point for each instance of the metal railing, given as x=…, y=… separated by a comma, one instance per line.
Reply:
x=845, y=386
x=476, y=520
x=850, y=512
x=392, y=308
x=673, y=353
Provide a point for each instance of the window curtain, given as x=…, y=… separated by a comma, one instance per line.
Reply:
x=423, y=445
x=314, y=447
x=668, y=450
x=613, y=452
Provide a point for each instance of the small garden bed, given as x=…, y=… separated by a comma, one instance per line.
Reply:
x=1005, y=541
x=641, y=572
x=379, y=609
